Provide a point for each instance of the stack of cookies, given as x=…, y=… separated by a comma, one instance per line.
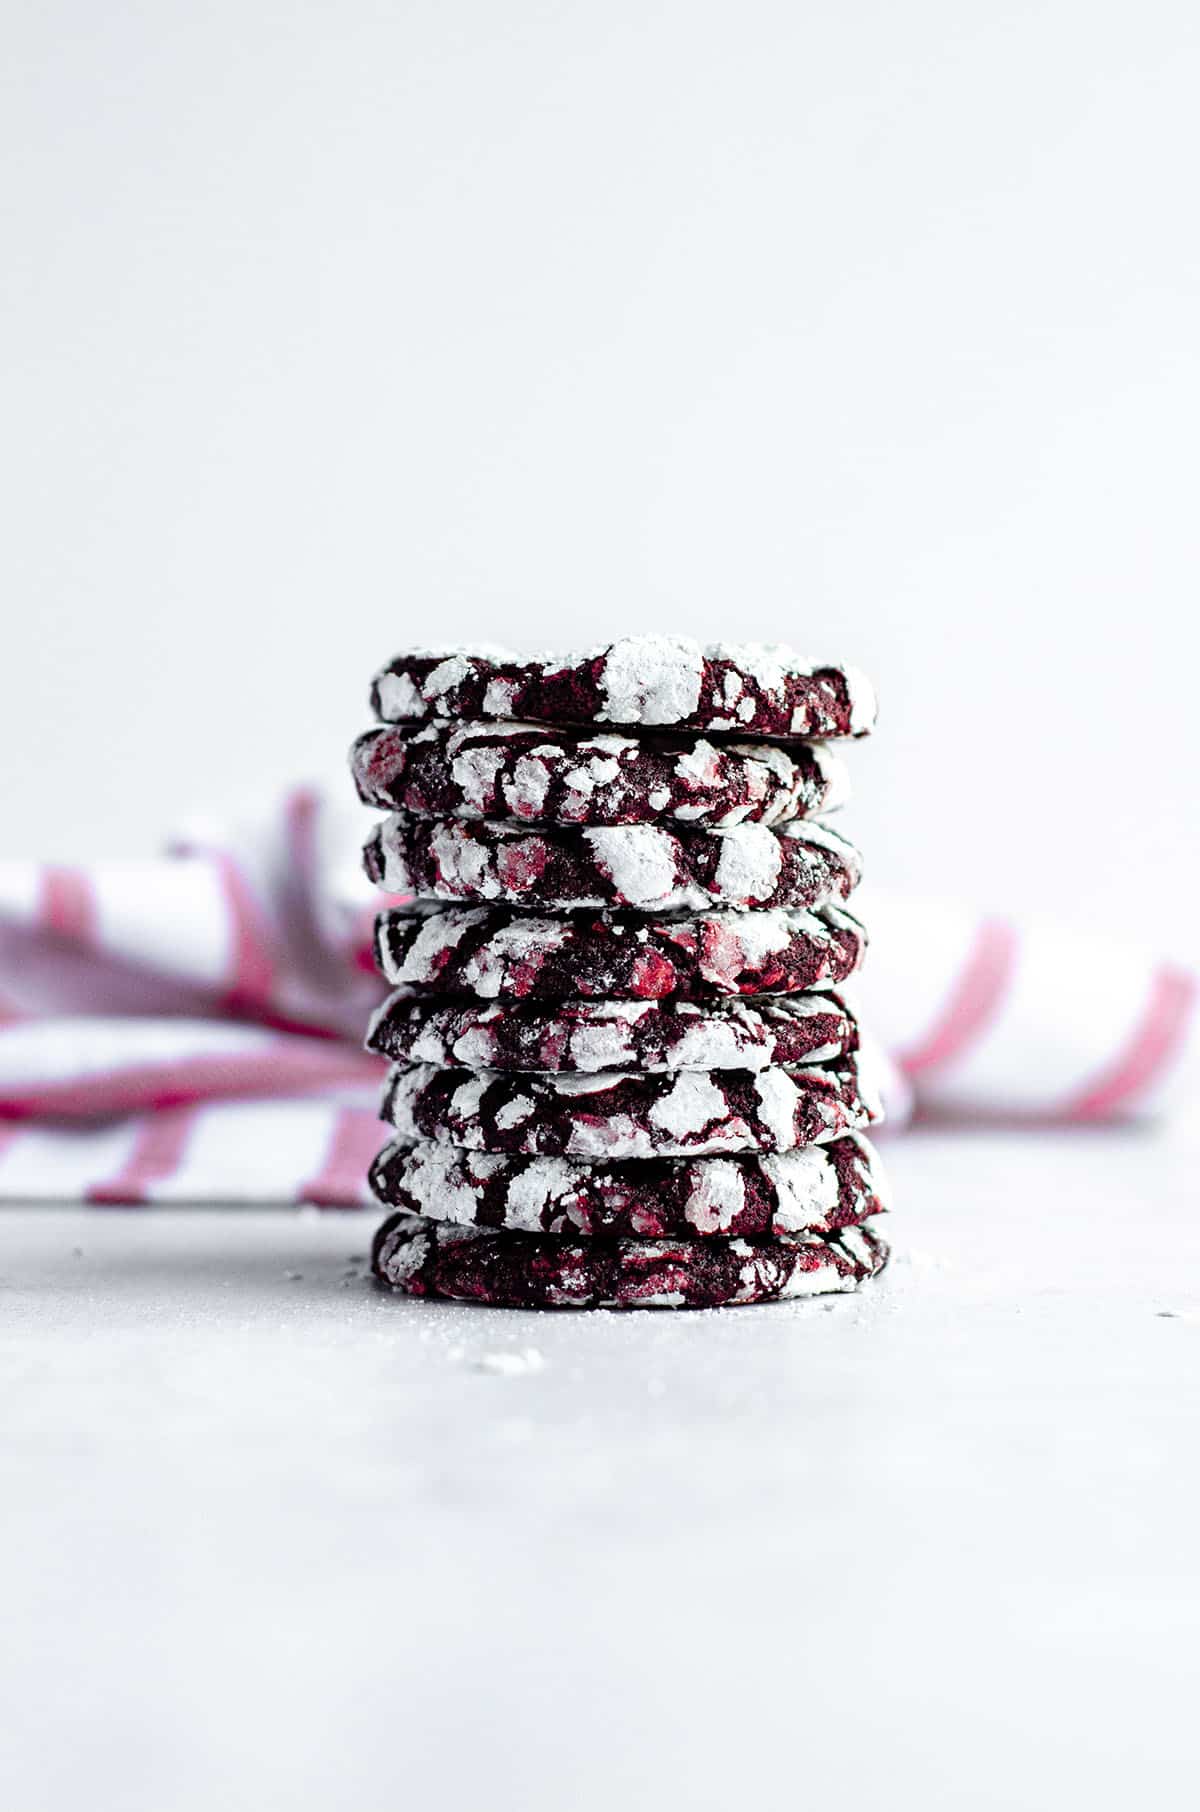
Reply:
x=623, y=1073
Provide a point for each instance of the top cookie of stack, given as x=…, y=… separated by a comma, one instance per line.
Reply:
x=659, y=805
x=642, y=681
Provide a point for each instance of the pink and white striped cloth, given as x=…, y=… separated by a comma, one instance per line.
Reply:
x=189, y=1029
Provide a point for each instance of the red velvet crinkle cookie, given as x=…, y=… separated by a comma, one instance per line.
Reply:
x=623, y=1114
x=760, y=687
x=639, y=865
x=540, y=775
x=590, y=1035
x=818, y=1190
x=542, y=1271
x=495, y=951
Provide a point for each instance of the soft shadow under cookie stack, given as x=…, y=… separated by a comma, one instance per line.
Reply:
x=624, y=1075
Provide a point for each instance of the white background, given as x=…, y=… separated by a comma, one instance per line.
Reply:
x=870, y=327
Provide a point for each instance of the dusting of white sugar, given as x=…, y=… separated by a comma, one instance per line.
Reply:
x=806, y=1187
x=692, y=1103
x=652, y=679
x=717, y=1196
x=749, y=863
x=638, y=859
x=777, y=1095
x=531, y=1190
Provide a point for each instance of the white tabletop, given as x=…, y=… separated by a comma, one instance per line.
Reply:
x=273, y=1538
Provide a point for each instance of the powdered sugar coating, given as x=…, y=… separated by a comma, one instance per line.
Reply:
x=822, y=1188
x=537, y=774
x=528, y=1270
x=766, y=688
x=645, y=866
x=651, y=679
x=592, y=1035
x=492, y=952
x=623, y=1114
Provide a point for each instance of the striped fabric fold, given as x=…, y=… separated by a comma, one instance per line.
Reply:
x=188, y=1029
x=1016, y=1019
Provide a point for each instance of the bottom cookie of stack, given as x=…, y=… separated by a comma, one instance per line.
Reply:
x=424, y=1257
